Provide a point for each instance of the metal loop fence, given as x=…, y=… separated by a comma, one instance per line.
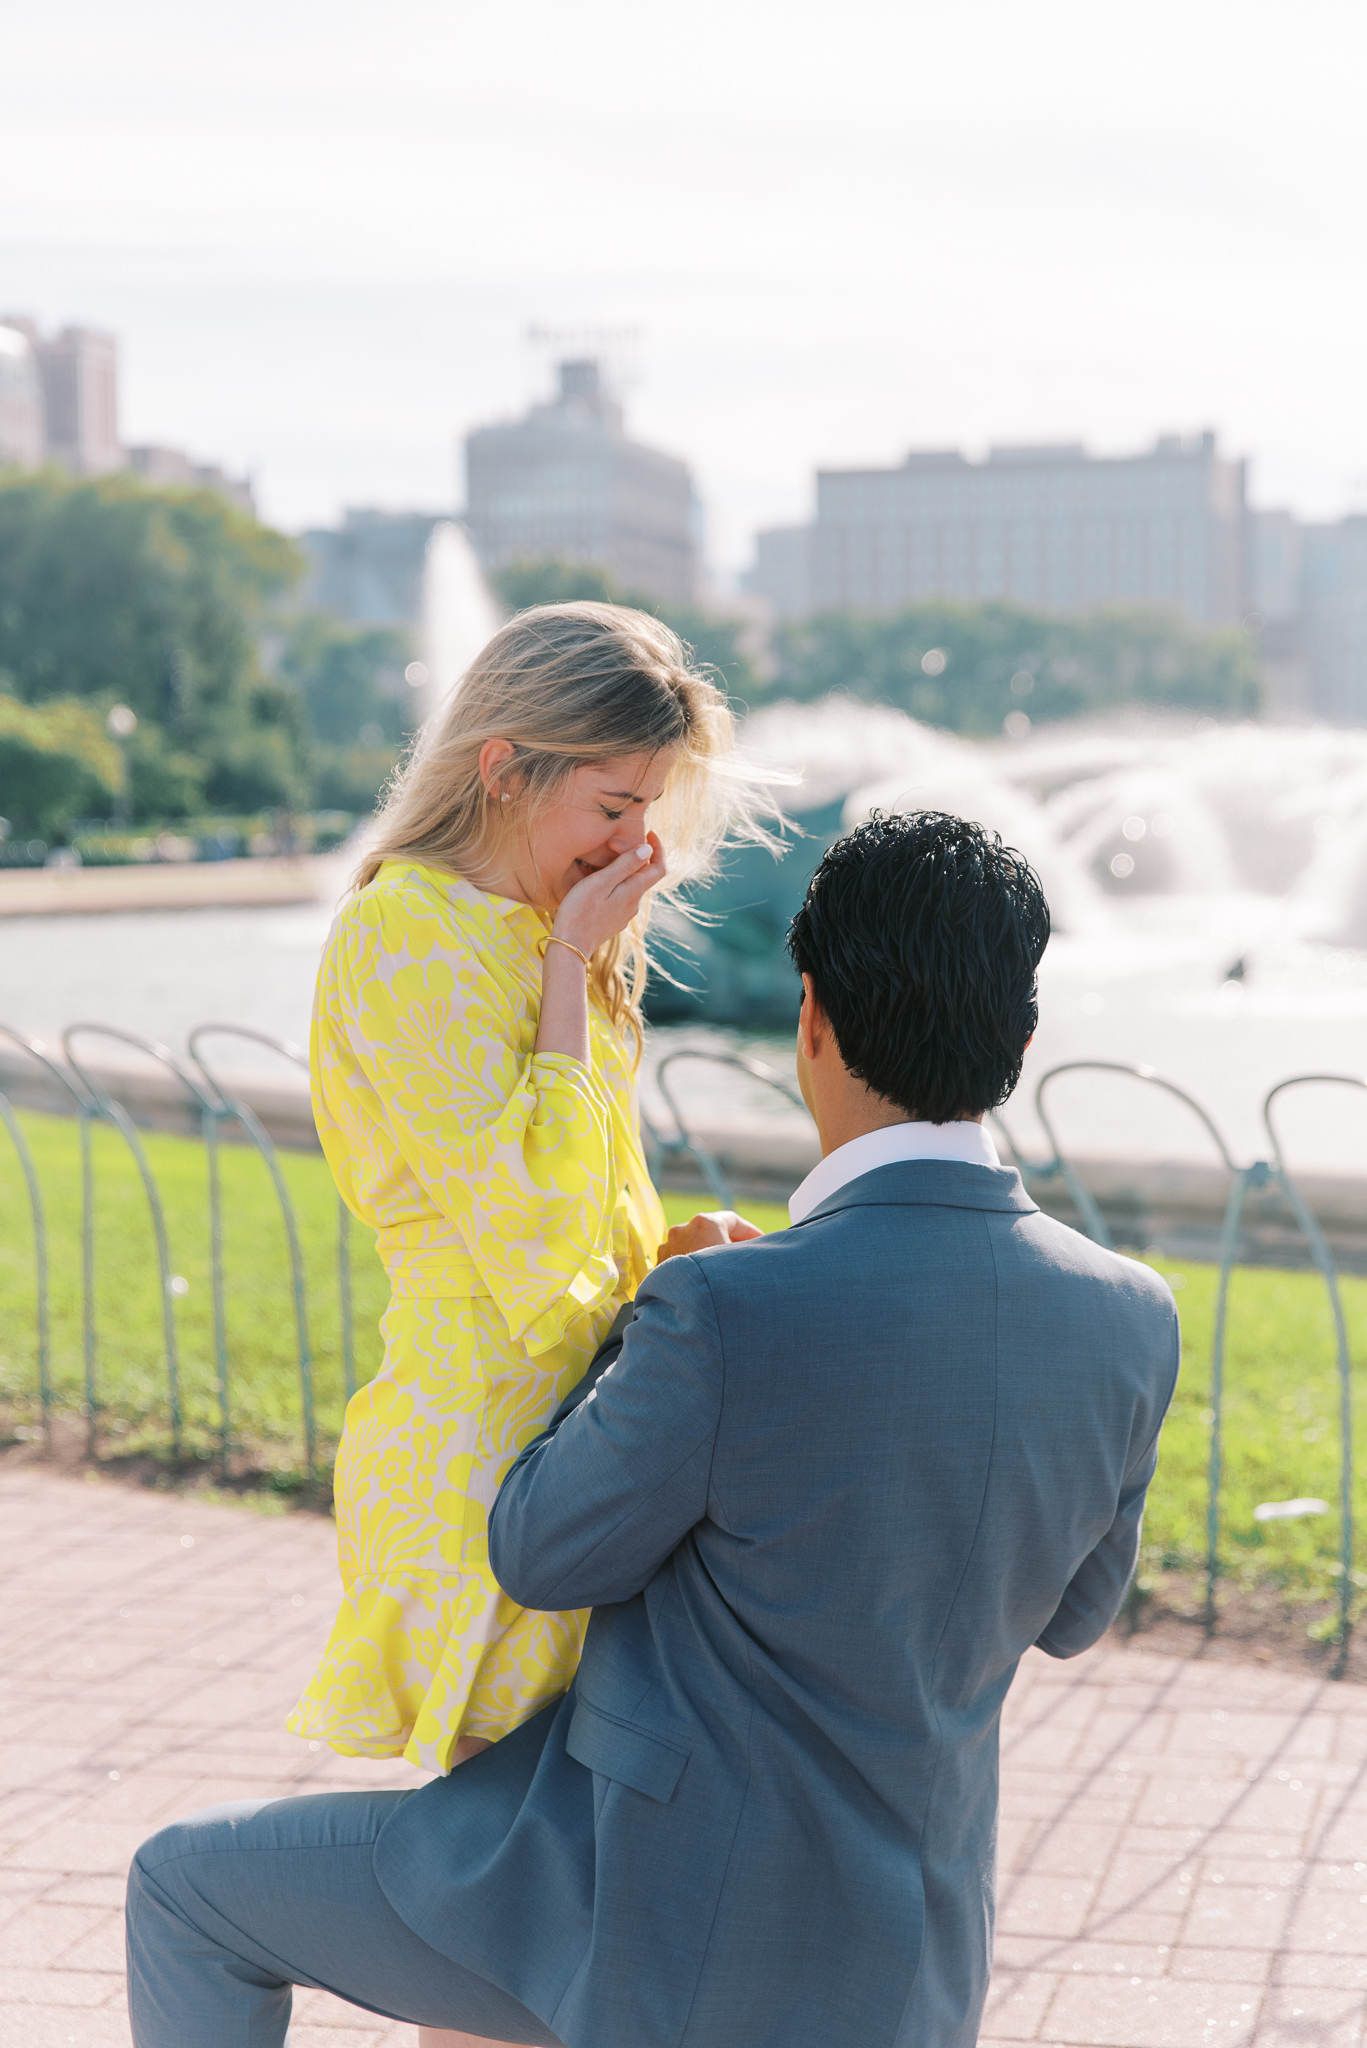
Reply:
x=210, y=1095
x=93, y=1099
x=664, y=1149
x=231, y=1107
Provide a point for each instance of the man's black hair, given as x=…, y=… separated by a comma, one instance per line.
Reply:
x=922, y=934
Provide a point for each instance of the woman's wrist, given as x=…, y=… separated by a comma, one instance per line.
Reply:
x=573, y=933
x=563, y=1026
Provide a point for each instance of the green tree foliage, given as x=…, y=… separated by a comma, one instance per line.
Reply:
x=112, y=591
x=56, y=762
x=1063, y=667
x=163, y=781
x=349, y=681
x=715, y=641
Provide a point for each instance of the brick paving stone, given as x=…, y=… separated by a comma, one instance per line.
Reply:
x=1221, y=1965
x=1036, y=1904
x=1157, y=1930
x=1233, y=1916
x=1347, y=1970
x=1017, y=2002
x=1179, y=1839
x=44, y=1932
x=55, y=2026
x=1311, y=2019
x=1156, y=2012
x=1074, y=1848
x=40, y=1986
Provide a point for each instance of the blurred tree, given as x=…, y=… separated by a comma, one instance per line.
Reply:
x=56, y=762
x=113, y=590
x=715, y=641
x=349, y=680
x=968, y=667
x=162, y=782
x=350, y=677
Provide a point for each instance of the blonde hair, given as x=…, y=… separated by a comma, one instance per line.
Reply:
x=566, y=685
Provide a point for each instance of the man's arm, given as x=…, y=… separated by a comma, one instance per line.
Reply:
x=594, y=1506
x=1093, y=1595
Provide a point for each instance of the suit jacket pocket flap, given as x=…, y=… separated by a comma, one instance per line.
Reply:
x=619, y=1750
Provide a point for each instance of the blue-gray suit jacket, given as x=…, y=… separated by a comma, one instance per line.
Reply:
x=837, y=1482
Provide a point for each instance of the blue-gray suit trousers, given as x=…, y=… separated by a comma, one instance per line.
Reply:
x=224, y=1908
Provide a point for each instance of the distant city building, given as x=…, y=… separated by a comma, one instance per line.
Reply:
x=174, y=468
x=79, y=372
x=1308, y=600
x=1333, y=619
x=1051, y=528
x=21, y=402
x=566, y=482
x=59, y=403
x=370, y=570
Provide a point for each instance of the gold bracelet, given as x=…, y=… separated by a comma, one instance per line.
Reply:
x=552, y=940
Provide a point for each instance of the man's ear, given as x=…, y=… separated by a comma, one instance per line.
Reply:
x=809, y=1020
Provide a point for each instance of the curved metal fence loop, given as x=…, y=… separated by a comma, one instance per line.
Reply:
x=667, y=1149
x=232, y=1106
x=105, y=1105
x=1095, y=1223
x=1328, y=1270
x=1241, y=1179
x=37, y=1213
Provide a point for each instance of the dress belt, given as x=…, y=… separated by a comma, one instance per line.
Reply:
x=431, y=1272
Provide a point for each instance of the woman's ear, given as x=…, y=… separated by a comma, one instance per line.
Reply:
x=494, y=756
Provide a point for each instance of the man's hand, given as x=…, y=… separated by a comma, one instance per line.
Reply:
x=718, y=1226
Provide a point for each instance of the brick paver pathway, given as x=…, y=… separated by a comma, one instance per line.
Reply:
x=1184, y=1845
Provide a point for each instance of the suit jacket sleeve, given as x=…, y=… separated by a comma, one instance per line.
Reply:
x=1092, y=1598
x=594, y=1506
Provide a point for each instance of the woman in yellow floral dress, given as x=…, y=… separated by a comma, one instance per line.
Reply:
x=475, y=1037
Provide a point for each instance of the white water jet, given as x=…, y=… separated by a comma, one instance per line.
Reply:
x=1171, y=808
x=459, y=612
x=879, y=759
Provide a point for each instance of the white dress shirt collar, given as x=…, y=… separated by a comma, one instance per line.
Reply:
x=968, y=1143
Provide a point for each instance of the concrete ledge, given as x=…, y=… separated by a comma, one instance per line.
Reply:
x=168, y=885
x=1176, y=1204
x=157, y=1101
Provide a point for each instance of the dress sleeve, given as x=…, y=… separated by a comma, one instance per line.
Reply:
x=514, y=1147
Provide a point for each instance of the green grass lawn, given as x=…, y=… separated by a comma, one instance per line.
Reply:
x=1281, y=1430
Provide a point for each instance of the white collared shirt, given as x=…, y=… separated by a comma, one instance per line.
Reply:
x=968, y=1143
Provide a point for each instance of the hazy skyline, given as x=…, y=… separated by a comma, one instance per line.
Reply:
x=321, y=232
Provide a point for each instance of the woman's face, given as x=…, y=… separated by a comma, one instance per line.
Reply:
x=603, y=813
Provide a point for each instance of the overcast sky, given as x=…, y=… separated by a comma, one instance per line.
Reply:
x=322, y=231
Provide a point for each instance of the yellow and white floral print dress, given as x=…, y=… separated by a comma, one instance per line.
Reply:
x=515, y=1215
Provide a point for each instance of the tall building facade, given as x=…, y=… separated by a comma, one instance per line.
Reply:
x=566, y=481
x=59, y=403
x=21, y=401
x=370, y=570
x=173, y=468
x=1049, y=528
x=79, y=371
x=1333, y=619
x=1307, y=589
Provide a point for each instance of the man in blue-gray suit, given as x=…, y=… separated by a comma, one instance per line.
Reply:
x=837, y=1481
